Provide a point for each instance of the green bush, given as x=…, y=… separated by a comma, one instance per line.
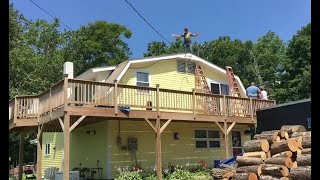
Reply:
x=151, y=177
x=127, y=175
x=180, y=175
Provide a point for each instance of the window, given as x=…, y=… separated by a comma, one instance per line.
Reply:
x=236, y=139
x=207, y=139
x=186, y=67
x=215, y=88
x=224, y=89
x=47, y=149
x=142, y=80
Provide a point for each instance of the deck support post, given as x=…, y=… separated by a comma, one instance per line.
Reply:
x=66, y=146
x=21, y=154
x=226, y=139
x=115, y=96
x=39, y=152
x=158, y=150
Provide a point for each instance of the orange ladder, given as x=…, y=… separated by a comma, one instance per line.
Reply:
x=233, y=84
x=202, y=86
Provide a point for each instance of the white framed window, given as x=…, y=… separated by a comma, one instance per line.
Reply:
x=218, y=88
x=185, y=66
x=142, y=80
x=47, y=149
x=207, y=138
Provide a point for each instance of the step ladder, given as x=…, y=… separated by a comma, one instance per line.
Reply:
x=202, y=86
x=233, y=84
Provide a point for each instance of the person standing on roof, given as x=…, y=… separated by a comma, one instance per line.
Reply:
x=186, y=38
x=253, y=91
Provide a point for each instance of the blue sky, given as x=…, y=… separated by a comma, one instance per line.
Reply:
x=245, y=19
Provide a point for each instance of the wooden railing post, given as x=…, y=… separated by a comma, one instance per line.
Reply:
x=225, y=106
x=251, y=108
x=15, y=111
x=158, y=100
x=50, y=103
x=65, y=90
x=194, y=103
x=115, y=95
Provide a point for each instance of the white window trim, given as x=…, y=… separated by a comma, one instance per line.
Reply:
x=241, y=134
x=207, y=139
x=136, y=80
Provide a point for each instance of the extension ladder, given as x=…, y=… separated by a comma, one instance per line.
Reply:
x=233, y=84
x=210, y=105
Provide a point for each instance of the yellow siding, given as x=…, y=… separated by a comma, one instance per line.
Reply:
x=54, y=159
x=179, y=152
x=163, y=73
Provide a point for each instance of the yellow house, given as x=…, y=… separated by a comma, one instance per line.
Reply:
x=149, y=112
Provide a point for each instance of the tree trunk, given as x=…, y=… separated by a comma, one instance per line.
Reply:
x=300, y=173
x=297, y=134
x=274, y=170
x=293, y=128
x=256, y=145
x=269, y=137
x=259, y=154
x=286, y=145
x=306, y=151
x=304, y=160
x=306, y=141
x=245, y=176
x=286, y=161
x=250, y=169
x=283, y=154
x=248, y=161
x=270, y=132
x=266, y=177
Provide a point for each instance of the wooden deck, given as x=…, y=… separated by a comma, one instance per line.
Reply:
x=89, y=98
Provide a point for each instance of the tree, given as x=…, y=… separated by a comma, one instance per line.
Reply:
x=96, y=44
x=296, y=78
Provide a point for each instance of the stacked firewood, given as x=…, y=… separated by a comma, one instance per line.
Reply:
x=279, y=154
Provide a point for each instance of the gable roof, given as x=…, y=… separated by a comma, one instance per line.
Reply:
x=118, y=75
x=120, y=69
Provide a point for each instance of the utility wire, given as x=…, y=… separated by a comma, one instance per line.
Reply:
x=49, y=14
x=146, y=21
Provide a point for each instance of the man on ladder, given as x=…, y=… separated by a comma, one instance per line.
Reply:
x=186, y=39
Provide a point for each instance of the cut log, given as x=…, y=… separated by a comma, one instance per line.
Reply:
x=293, y=128
x=245, y=176
x=300, y=173
x=299, y=152
x=248, y=161
x=283, y=154
x=299, y=141
x=259, y=154
x=277, y=139
x=268, y=154
x=306, y=151
x=266, y=177
x=284, y=134
x=286, y=161
x=287, y=145
x=270, y=132
x=250, y=169
x=274, y=170
x=269, y=137
x=304, y=160
x=297, y=134
x=306, y=141
x=228, y=174
x=256, y=145
x=294, y=165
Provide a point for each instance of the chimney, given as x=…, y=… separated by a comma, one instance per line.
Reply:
x=68, y=69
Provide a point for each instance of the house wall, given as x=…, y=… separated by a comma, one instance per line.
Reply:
x=178, y=152
x=54, y=159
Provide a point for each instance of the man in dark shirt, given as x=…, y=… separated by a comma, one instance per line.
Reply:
x=186, y=38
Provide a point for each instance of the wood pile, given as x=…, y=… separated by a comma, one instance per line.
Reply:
x=278, y=154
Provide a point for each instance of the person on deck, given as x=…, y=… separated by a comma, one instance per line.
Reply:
x=186, y=38
x=253, y=91
x=264, y=94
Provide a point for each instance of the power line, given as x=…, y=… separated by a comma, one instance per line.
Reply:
x=49, y=13
x=146, y=21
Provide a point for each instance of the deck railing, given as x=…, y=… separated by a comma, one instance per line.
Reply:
x=91, y=93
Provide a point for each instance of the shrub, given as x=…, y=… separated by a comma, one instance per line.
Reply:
x=129, y=176
x=179, y=174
